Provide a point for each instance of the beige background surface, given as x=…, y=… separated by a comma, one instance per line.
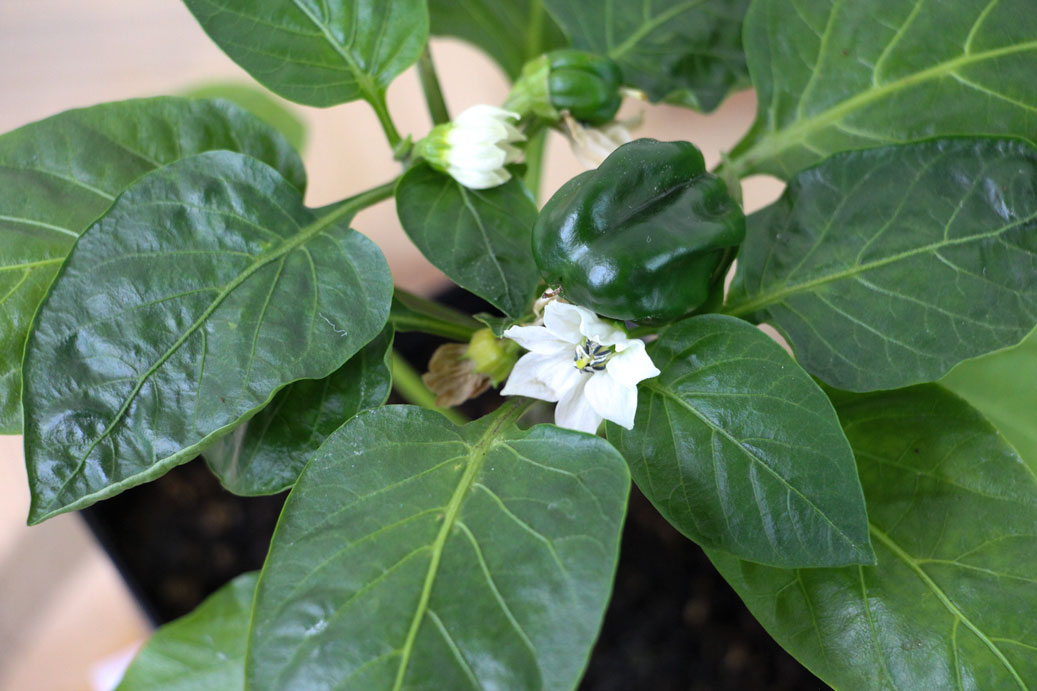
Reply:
x=62, y=606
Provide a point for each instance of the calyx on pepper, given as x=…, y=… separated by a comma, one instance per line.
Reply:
x=643, y=237
x=585, y=84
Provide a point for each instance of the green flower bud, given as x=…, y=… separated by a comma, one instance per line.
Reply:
x=491, y=356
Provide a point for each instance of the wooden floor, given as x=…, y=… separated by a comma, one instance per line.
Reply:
x=64, y=614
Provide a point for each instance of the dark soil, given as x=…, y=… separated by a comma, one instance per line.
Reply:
x=673, y=623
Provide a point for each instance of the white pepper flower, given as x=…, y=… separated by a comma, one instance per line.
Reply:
x=588, y=365
x=475, y=147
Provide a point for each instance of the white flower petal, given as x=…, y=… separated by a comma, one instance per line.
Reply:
x=539, y=340
x=611, y=399
x=573, y=411
x=631, y=364
x=547, y=377
x=479, y=179
x=563, y=320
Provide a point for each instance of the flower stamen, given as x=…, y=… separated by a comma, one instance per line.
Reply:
x=590, y=356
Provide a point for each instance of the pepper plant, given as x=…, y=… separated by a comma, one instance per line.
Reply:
x=167, y=294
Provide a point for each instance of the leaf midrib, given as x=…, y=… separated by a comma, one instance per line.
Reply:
x=318, y=226
x=616, y=52
x=958, y=615
x=776, y=141
x=363, y=79
x=749, y=306
x=450, y=517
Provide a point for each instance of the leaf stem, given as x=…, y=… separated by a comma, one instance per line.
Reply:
x=381, y=109
x=430, y=86
x=408, y=384
x=350, y=206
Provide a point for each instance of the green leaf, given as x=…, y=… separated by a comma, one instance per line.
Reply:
x=261, y=103
x=687, y=52
x=412, y=313
x=834, y=76
x=59, y=174
x=200, y=651
x=266, y=454
x=887, y=267
x=206, y=288
x=416, y=553
x=510, y=31
x=318, y=53
x=479, y=238
x=1003, y=386
x=952, y=602
x=740, y=450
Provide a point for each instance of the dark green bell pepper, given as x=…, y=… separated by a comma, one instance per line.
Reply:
x=644, y=237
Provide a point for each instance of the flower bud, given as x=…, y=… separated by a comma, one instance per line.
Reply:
x=491, y=356
x=475, y=148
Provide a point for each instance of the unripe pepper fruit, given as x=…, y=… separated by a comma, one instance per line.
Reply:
x=640, y=237
x=585, y=84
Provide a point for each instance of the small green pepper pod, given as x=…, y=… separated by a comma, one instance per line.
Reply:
x=641, y=237
x=585, y=84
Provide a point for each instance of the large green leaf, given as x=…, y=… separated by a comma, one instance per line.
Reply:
x=320, y=53
x=479, y=238
x=833, y=76
x=264, y=105
x=739, y=449
x=200, y=651
x=266, y=454
x=59, y=174
x=510, y=31
x=952, y=602
x=205, y=288
x=413, y=553
x=887, y=267
x=1003, y=386
x=687, y=52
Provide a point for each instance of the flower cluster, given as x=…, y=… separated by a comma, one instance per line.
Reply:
x=588, y=365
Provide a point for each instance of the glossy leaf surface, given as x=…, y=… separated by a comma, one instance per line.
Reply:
x=413, y=553
x=318, y=53
x=201, y=651
x=887, y=267
x=58, y=175
x=261, y=103
x=266, y=454
x=951, y=603
x=835, y=76
x=510, y=31
x=479, y=238
x=1003, y=386
x=205, y=288
x=740, y=450
x=687, y=52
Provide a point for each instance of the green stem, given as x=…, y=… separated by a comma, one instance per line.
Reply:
x=535, y=150
x=412, y=313
x=381, y=109
x=408, y=384
x=430, y=86
x=535, y=29
x=350, y=206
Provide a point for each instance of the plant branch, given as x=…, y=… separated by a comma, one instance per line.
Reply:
x=430, y=86
x=350, y=206
x=535, y=148
x=408, y=384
